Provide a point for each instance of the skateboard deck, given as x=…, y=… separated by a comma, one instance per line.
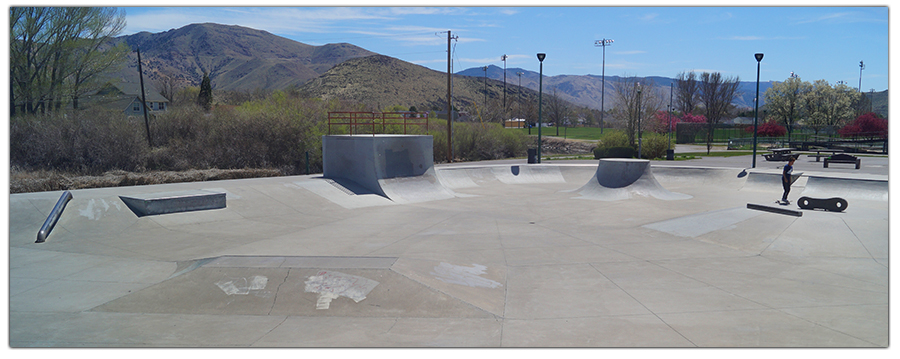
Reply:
x=829, y=204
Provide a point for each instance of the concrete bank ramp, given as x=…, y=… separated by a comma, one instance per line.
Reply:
x=618, y=179
x=397, y=167
x=847, y=188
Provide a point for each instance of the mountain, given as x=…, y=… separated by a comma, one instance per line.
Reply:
x=383, y=81
x=585, y=90
x=236, y=58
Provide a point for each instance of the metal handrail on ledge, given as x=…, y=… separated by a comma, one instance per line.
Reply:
x=356, y=119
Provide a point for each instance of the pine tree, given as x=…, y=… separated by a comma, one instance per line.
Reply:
x=204, y=99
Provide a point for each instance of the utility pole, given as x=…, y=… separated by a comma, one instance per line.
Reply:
x=449, y=106
x=143, y=99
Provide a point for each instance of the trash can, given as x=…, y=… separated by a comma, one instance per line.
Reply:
x=532, y=155
x=670, y=155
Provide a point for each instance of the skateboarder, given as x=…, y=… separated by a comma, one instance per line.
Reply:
x=786, y=179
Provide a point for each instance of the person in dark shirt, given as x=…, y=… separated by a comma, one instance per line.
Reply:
x=786, y=180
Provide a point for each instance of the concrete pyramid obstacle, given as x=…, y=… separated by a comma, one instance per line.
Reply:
x=618, y=179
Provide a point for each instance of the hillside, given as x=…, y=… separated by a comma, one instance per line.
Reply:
x=236, y=58
x=585, y=90
x=385, y=81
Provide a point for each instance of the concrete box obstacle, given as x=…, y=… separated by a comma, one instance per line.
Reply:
x=173, y=202
x=398, y=167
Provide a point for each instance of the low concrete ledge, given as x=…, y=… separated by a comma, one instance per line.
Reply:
x=173, y=202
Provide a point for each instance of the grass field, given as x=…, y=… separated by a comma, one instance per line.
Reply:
x=575, y=133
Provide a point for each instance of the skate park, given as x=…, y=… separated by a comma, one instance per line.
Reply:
x=387, y=249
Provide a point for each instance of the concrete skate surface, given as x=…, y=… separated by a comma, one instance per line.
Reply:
x=509, y=255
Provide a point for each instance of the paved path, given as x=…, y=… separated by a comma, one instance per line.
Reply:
x=299, y=262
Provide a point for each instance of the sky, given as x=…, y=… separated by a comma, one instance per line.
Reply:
x=812, y=42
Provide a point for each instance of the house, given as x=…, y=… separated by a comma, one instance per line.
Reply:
x=126, y=97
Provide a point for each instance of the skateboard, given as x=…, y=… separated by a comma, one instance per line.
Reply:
x=829, y=204
x=783, y=203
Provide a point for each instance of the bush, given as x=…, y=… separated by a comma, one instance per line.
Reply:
x=654, y=146
x=89, y=143
x=613, y=145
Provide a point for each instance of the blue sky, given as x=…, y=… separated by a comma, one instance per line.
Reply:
x=815, y=42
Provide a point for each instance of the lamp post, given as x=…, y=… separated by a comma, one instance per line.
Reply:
x=540, y=57
x=602, y=43
x=640, y=135
x=519, y=106
x=759, y=57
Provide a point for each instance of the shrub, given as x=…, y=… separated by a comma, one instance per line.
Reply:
x=89, y=143
x=654, y=146
x=618, y=140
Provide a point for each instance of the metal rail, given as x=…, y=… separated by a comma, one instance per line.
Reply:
x=370, y=119
x=54, y=217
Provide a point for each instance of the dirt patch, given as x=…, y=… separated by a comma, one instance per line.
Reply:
x=41, y=181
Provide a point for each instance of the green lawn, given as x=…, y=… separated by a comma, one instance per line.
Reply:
x=576, y=133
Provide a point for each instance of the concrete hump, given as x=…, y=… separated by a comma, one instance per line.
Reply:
x=397, y=167
x=617, y=179
x=827, y=187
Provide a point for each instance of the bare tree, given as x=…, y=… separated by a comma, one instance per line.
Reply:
x=687, y=92
x=636, y=103
x=717, y=94
x=558, y=110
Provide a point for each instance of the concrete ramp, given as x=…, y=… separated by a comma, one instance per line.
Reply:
x=618, y=179
x=467, y=177
x=397, y=167
x=827, y=187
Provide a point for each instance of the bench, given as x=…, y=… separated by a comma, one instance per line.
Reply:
x=843, y=158
x=819, y=154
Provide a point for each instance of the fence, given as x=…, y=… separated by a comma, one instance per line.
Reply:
x=740, y=136
x=389, y=121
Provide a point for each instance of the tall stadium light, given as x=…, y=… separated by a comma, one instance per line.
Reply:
x=485, y=86
x=503, y=58
x=861, y=67
x=759, y=57
x=602, y=43
x=540, y=57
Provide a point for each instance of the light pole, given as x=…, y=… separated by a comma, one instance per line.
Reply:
x=540, y=57
x=602, y=43
x=520, y=99
x=759, y=57
x=669, y=118
x=640, y=136
x=503, y=58
x=861, y=67
x=485, y=86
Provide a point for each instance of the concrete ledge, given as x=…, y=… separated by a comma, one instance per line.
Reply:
x=173, y=202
